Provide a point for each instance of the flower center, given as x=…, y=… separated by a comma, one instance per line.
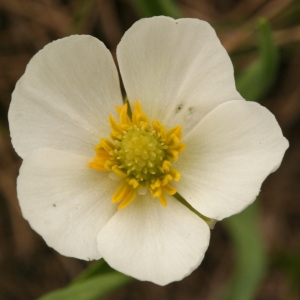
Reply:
x=140, y=154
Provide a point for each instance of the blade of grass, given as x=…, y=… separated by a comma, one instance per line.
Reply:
x=250, y=256
x=259, y=77
x=91, y=289
x=152, y=8
x=99, y=267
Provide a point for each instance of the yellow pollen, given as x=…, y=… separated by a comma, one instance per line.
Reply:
x=140, y=153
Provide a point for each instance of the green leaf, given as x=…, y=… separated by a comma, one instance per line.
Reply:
x=259, y=77
x=90, y=289
x=99, y=267
x=250, y=256
x=150, y=8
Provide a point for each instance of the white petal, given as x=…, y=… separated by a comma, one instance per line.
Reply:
x=154, y=243
x=66, y=202
x=65, y=96
x=228, y=156
x=177, y=69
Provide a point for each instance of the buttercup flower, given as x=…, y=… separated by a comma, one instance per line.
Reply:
x=137, y=183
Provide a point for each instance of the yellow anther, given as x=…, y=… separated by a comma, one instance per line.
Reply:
x=121, y=193
x=96, y=165
x=106, y=145
x=168, y=189
x=173, y=154
x=156, y=192
x=167, y=178
x=166, y=166
x=133, y=182
x=163, y=200
x=138, y=117
x=155, y=184
x=128, y=199
x=124, y=118
x=175, y=174
x=117, y=171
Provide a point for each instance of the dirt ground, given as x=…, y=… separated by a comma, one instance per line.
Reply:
x=29, y=269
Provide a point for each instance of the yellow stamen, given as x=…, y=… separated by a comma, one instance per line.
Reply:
x=163, y=200
x=141, y=154
x=128, y=199
x=121, y=193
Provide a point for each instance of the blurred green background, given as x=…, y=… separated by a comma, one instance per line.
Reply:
x=254, y=255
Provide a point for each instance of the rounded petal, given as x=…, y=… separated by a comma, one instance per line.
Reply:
x=64, y=97
x=177, y=69
x=66, y=202
x=227, y=157
x=154, y=243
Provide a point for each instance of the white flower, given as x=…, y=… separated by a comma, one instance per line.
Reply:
x=175, y=73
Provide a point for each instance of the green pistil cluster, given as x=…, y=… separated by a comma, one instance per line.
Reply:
x=141, y=154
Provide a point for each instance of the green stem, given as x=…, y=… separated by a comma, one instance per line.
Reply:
x=210, y=222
